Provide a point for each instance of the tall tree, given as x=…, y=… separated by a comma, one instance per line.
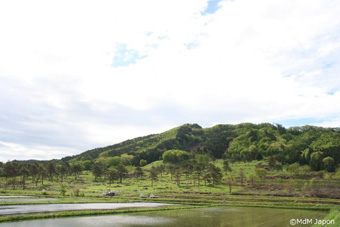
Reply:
x=215, y=173
x=112, y=175
x=178, y=174
x=138, y=172
x=242, y=176
x=226, y=166
x=76, y=170
x=122, y=172
x=252, y=177
x=198, y=171
x=153, y=174
x=34, y=172
x=42, y=173
x=11, y=170
x=97, y=170
x=62, y=170
x=51, y=170
x=24, y=172
x=229, y=182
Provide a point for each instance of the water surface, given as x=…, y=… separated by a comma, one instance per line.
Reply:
x=217, y=216
x=7, y=199
x=43, y=208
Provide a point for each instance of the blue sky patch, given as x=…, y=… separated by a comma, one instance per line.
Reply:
x=332, y=92
x=299, y=122
x=212, y=7
x=125, y=56
x=192, y=45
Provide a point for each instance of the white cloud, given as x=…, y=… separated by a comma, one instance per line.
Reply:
x=257, y=61
x=104, y=134
x=332, y=123
x=13, y=151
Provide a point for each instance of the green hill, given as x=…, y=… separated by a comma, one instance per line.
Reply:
x=241, y=142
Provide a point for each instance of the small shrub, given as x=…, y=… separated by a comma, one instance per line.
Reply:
x=76, y=192
x=62, y=190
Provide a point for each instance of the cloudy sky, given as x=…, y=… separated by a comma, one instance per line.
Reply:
x=76, y=75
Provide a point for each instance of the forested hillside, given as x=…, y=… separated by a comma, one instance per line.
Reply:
x=296, y=161
x=315, y=146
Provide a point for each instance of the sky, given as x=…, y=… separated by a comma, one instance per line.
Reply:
x=76, y=75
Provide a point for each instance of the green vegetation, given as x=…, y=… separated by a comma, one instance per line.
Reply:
x=334, y=214
x=315, y=146
x=223, y=165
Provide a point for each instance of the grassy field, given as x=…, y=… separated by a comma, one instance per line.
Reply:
x=278, y=189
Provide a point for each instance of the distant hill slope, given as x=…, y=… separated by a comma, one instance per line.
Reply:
x=149, y=147
x=244, y=141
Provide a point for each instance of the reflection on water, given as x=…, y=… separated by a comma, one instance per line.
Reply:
x=8, y=199
x=216, y=216
x=43, y=208
x=100, y=221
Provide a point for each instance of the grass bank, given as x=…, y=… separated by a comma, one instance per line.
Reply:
x=331, y=219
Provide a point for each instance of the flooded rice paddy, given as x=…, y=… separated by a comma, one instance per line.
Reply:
x=46, y=208
x=8, y=199
x=216, y=216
